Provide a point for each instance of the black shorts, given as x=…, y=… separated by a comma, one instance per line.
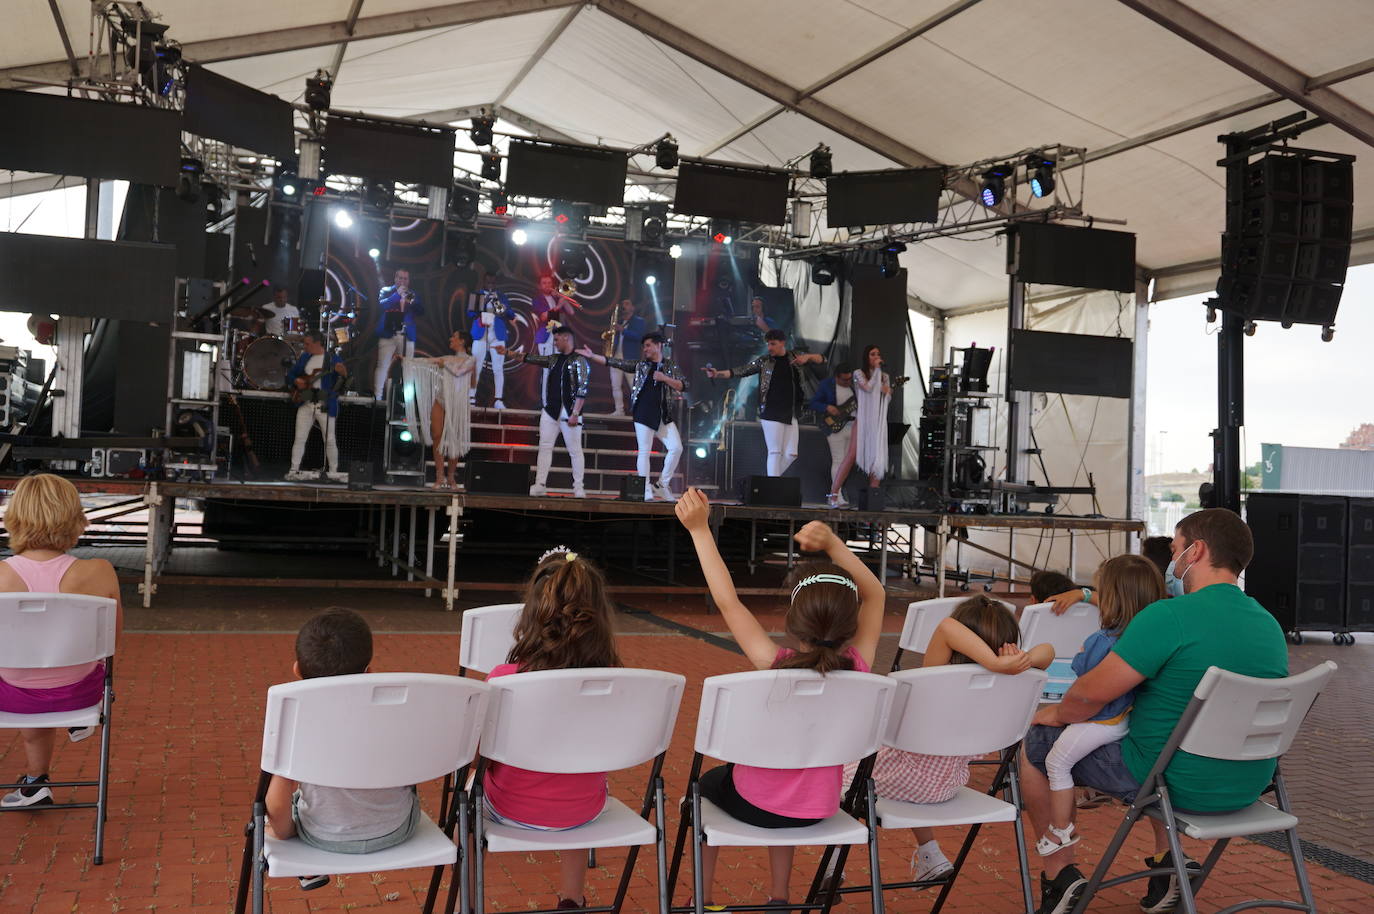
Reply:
x=718, y=786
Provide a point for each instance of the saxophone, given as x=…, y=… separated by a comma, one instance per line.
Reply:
x=608, y=335
x=727, y=403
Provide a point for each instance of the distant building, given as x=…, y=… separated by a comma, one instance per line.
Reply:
x=1317, y=470
x=1362, y=438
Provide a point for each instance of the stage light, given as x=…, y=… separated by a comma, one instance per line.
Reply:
x=499, y=204
x=406, y=436
x=342, y=219
x=188, y=178
x=650, y=279
x=665, y=152
x=462, y=203
x=725, y=239
x=1040, y=172
x=994, y=185
x=652, y=231
x=317, y=90
x=824, y=270
x=289, y=190
x=481, y=130
x=491, y=166
x=374, y=253
x=675, y=251
x=519, y=236
x=821, y=162
x=891, y=263
x=572, y=261
x=701, y=452
x=379, y=195
x=561, y=218
x=723, y=232
x=286, y=181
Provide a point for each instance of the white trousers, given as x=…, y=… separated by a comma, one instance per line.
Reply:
x=387, y=349
x=307, y=415
x=619, y=381
x=672, y=449
x=480, y=350
x=1075, y=743
x=549, y=432
x=839, y=446
x=544, y=348
x=781, y=439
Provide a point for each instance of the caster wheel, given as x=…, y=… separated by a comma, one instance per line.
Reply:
x=964, y=587
x=1328, y=333
x=1338, y=639
x=1295, y=637
x=1287, y=325
x=987, y=588
x=1250, y=328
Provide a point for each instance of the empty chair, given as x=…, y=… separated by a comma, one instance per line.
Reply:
x=1238, y=718
x=49, y=630
x=576, y=721
x=365, y=731
x=922, y=617
x=487, y=636
x=787, y=719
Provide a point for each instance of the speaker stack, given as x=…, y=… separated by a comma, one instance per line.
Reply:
x=1287, y=241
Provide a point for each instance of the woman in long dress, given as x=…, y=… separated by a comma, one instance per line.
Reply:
x=868, y=444
x=437, y=408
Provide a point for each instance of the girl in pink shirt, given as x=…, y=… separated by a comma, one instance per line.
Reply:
x=566, y=624
x=836, y=616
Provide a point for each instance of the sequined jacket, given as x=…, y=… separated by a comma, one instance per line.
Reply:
x=577, y=374
x=641, y=369
x=763, y=367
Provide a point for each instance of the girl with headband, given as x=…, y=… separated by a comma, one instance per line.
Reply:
x=836, y=616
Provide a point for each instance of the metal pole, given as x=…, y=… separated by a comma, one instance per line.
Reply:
x=381, y=535
x=1230, y=411
x=450, y=591
x=395, y=539
x=429, y=546
x=1018, y=403
x=941, y=540
x=410, y=546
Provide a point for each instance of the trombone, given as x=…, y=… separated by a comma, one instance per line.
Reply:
x=608, y=336
x=727, y=404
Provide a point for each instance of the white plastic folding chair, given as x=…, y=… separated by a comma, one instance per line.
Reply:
x=44, y=630
x=487, y=636
x=1065, y=632
x=922, y=617
x=578, y=721
x=368, y=730
x=961, y=709
x=783, y=719
x=1238, y=718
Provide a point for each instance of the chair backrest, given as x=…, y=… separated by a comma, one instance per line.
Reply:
x=41, y=630
x=372, y=729
x=793, y=718
x=961, y=709
x=924, y=615
x=1066, y=631
x=1242, y=718
x=488, y=635
x=581, y=720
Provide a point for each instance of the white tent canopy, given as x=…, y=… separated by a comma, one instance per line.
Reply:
x=1145, y=85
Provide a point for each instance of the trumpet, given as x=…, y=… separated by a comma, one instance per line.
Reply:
x=727, y=404
x=608, y=335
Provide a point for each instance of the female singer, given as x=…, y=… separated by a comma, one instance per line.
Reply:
x=437, y=408
x=868, y=444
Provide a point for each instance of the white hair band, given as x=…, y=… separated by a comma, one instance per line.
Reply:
x=825, y=579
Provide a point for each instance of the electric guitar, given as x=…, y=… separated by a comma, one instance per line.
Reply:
x=309, y=394
x=833, y=424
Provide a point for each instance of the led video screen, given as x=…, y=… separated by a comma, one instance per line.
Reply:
x=577, y=174
x=219, y=108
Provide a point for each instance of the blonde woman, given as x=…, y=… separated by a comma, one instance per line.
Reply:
x=44, y=520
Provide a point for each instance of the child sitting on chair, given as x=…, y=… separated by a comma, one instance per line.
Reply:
x=566, y=624
x=1125, y=585
x=836, y=616
x=342, y=820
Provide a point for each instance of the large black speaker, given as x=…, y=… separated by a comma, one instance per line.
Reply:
x=772, y=491
x=1299, y=569
x=492, y=477
x=1359, y=566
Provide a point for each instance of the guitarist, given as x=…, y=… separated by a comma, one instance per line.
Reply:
x=872, y=388
x=833, y=395
x=314, y=382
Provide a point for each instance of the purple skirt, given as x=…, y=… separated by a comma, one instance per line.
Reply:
x=75, y=697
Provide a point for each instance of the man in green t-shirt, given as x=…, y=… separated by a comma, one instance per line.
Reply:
x=1162, y=655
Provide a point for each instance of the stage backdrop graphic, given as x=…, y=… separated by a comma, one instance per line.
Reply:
x=353, y=278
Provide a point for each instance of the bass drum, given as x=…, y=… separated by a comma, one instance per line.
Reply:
x=266, y=361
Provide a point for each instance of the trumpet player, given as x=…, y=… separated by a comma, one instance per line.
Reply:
x=397, y=309
x=652, y=388
x=490, y=332
x=551, y=310
x=629, y=334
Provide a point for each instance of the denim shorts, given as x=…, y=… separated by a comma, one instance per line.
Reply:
x=360, y=845
x=1102, y=769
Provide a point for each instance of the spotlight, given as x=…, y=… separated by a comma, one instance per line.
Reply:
x=379, y=195
x=519, y=237
x=462, y=203
x=499, y=204
x=722, y=232
x=374, y=253
x=994, y=185
x=652, y=231
x=724, y=238
x=675, y=251
x=286, y=181
x=342, y=219
x=214, y=197
x=820, y=162
x=665, y=152
x=289, y=190
x=891, y=263
x=406, y=436
x=188, y=178
x=650, y=279
x=1040, y=172
x=481, y=130
x=824, y=270
x=491, y=166
x=700, y=452
x=572, y=261
x=317, y=90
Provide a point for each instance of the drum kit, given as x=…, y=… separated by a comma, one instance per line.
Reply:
x=261, y=361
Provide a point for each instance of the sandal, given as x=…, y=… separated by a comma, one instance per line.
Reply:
x=1055, y=840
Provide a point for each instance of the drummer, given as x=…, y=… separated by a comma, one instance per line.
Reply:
x=282, y=317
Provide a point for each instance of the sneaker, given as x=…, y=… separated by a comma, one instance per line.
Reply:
x=1058, y=895
x=1161, y=893
x=664, y=492
x=832, y=500
x=841, y=501
x=568, y=904
x=34, y=793
x=337, y=476
x=538, y=490
x=930, y=867
x=499, y=404
x=295, y=475
x=579, y=492
x=1055, y=840
x=650, y=492
x=77, y=734
x=310, y=883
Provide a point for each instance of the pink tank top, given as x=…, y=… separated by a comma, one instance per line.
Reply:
x=44, y=577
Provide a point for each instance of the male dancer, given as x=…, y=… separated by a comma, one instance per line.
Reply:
x=565, y=393
x=316, y=388
x=628, y=335
x=395, y=328
x=780, y=396
x=489, y=335
x=650, y=404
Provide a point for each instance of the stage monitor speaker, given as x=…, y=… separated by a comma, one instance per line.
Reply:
x=632, y=488
x=772, y=491
x=872, y=498
x=492, y=477
x=362, y=474
x=1299, y=569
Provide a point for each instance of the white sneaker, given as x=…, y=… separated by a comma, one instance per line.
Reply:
x=579, y=492
x=538, y=490
x=34, y=792
x=297, y=476
x=499, y=404
x=337, y=476
x=841, y=501
x=926, y=867
x=664, y=493
x=651, y=492
x=77, y=734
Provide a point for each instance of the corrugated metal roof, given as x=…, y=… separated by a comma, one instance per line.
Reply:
x=1327, y=471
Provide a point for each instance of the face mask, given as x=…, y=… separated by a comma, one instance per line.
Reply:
x=1172, y=583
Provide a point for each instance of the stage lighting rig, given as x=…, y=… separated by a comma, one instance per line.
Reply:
x=821, y=166
x=891, y=262
x=1040, y=174
x=188, y=177
x=723, y=232
x=491, y=166
x=665, y=152
x=994, y=185
x=481, y=129
x=572, y=261
x=519, y=237
x=379, y=195
x=462, y=203
x=318, y=89
x=214, y=198
x=499, y=203
x=287, y=182
x=675, y=251
x=654, y=228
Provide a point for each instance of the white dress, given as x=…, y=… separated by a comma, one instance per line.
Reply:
x=870, y=432
x=446, y=379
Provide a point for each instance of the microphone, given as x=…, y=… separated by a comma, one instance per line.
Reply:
x=252, y=255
